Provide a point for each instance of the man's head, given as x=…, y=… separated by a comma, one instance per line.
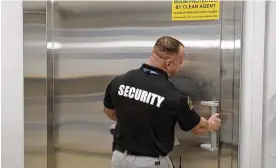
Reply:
x=167, y=54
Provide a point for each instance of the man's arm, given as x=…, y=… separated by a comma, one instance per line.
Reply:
x=111, y=114
x=205, y=125
x=189, y=120
x=109, y=108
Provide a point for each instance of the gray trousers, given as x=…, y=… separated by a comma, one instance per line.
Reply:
x=124, y=160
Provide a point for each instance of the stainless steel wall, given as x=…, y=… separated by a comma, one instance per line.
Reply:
x=35, y=71
x=91, y=42
x=99, y=40
x=230, y=82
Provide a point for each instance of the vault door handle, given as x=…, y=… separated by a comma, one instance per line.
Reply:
x=212, y=146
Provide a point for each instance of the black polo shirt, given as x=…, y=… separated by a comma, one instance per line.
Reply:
x=147, y=108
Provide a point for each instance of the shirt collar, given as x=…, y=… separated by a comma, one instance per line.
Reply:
x=157, y=70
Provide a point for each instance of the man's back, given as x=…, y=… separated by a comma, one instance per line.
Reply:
x=146, y=104
x=146, y=107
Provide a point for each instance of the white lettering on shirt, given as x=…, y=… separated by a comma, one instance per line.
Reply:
x=140, y=95
x=121, y=90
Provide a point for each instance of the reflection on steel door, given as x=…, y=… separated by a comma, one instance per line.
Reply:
x=92, y=42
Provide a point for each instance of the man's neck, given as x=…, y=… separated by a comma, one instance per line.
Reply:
x=156, y=64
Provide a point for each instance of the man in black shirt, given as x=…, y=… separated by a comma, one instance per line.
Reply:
x=146, y=106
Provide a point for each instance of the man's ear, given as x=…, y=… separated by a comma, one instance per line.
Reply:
x=169, y=62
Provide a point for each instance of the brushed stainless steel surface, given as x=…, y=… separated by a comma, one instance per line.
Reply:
x=51, y=115
x=236, y=83
x=95, y=41
x=230, y=84
x=99, y=40
x=35, y=103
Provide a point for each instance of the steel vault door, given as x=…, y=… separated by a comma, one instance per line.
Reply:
x=91, y=42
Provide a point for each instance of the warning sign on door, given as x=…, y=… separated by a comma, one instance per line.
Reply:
x=195, y=10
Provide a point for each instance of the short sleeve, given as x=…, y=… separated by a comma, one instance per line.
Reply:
x=108, y=103
x=186, y=117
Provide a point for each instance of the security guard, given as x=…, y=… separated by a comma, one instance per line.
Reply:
x=146, y=106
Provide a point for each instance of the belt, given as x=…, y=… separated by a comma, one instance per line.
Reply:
x=136, y=154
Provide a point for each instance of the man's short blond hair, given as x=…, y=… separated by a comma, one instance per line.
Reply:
x=167, y=45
